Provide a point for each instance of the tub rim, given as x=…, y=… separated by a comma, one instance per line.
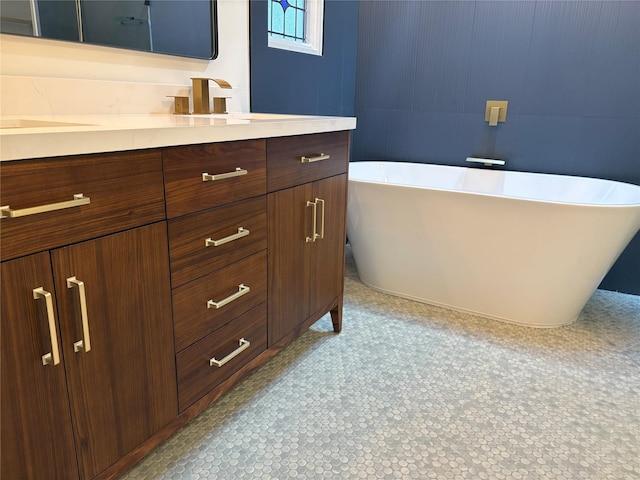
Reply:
x=504, y=171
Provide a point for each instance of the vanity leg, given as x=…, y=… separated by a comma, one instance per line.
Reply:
x=336, y=316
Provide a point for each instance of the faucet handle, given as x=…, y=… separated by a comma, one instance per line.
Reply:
x=180, y=104
x=219, y=105
x=220, y=102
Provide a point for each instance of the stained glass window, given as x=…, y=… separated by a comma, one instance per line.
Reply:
x=296, y=25
x=287, y=19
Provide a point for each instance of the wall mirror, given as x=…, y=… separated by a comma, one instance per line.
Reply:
x=186, y=28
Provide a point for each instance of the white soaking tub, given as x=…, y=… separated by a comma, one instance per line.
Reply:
x=519, y=247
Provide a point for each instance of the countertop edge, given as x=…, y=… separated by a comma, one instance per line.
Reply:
x=42, y=143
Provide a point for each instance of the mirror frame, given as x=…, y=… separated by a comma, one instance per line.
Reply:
x=214, y=44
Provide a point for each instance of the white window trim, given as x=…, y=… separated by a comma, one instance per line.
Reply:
x=314, y=32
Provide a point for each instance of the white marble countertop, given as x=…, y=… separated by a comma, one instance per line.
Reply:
x=29, y=136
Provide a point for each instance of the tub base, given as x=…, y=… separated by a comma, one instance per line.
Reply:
x=471, y=312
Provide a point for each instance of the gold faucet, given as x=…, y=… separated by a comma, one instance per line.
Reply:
x=201, y=95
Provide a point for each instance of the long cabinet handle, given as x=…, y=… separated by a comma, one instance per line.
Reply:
x=242, y=232
x=243, y=345
x=83, y=345
x=321, y=202
x=78, y=199
x=242, y=290
x=52, y=358
x=220, y=176
x=314, y=234
x=315, y=158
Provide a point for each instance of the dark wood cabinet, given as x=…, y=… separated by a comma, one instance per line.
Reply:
x=307, y=184
x=37, y=437
x=119, y=326
x=218, y=239
x=203, y=242
x=88, y=371
x=118, y=391
x=306, y=255
x=295, y=160
x=203, y=176
x=326, y=280
x=231, y=346
x=118, y=190
x=124, y=389
x=195, y=314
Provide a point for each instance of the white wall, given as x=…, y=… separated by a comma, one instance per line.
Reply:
x=24, y=58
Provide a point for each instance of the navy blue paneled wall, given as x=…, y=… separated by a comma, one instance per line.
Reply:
x=291, y=82
x=570, y=71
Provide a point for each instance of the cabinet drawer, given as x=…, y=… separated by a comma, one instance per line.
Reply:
x=198, y=177
x=124, y=191
x=209, y=240
x=196, y=375
x=285, y=166
x=195, y=313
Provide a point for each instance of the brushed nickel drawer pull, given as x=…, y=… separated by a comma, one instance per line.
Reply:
x=220, y=176
x=314, y=234
x=52, y=358
x=242, y=232
x=315, y=158
x=244, y=344
x=78, y=199
x=83, y=345
x=321, y=202
x=242, y=290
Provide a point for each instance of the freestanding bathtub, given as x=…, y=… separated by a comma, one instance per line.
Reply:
x=519, y=247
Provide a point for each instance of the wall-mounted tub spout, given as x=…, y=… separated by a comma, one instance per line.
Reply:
x=487, y=162
x=496, y=112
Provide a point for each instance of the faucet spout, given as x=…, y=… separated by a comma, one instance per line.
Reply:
x=200, y=89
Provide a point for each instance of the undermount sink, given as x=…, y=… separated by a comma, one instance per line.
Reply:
x=25, y=123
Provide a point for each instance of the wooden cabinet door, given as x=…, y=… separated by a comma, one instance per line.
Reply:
x=327, y=254
x=289, y=223
x=305, y=277
x=124, y=389
x=37, y=440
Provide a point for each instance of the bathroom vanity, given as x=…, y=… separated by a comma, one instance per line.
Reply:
x=149, y=263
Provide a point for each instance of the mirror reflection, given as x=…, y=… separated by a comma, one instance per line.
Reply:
x=176, y=27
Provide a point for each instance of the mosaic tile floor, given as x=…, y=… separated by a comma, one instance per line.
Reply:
x=413, y=391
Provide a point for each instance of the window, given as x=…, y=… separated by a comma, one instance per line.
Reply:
x=296, y=25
